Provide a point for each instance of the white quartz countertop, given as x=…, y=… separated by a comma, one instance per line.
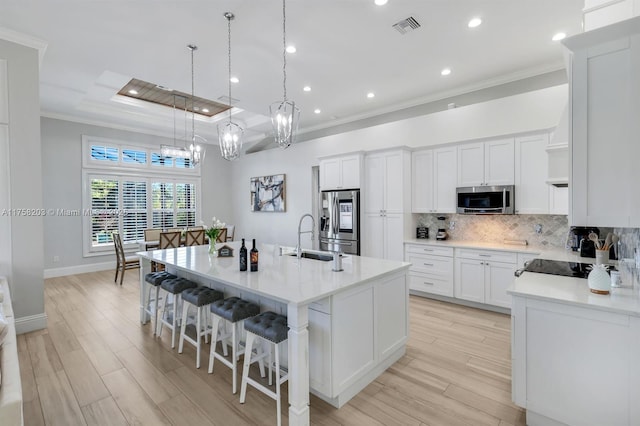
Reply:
x=284, y=278
x=482, y=245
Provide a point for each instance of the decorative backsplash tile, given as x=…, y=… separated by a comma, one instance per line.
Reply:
x=497, y=228
x=629, y=241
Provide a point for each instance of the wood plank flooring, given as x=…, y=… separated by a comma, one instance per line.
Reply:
x=96, y=364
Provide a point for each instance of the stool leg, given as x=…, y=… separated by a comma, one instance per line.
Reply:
x=270, y=365
x=260, y=351
x=234, y=355
x=156, y=304
x=176, y=298
x=164, y=308
x=215, y=323
x=278, y=404
x=198, y=333
x=206, y=326
x=224, y=342
x=245, y=368
x=183, y=327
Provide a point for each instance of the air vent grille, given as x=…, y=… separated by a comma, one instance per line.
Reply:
x=406, y=25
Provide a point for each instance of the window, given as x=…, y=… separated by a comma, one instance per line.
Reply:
x=125, y=193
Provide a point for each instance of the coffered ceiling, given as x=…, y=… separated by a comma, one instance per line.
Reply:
x=345, y=50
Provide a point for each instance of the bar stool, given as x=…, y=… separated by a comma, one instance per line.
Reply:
x=234, y=311
x=155, y=279
x=273, y=329
x=174, y=286
x=200, y=297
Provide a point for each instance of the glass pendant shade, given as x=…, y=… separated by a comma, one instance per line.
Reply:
x=196, y=150
x=230, y=140
x=284, y=119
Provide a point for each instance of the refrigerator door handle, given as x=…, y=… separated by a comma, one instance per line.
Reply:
x=336, y=225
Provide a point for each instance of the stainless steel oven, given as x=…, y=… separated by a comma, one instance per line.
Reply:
x=497, y=199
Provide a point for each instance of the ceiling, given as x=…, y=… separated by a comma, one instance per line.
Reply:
x=345, y=49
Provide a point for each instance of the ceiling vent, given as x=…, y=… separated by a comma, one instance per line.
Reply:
x=406, y=25
x=228, y=101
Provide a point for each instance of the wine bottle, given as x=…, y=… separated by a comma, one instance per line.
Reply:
x=254, y=257
x=243, y=257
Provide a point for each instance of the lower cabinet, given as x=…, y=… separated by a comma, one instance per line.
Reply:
x=431, y=269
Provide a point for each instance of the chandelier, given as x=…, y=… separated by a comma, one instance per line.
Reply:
x=230, y=134
x=195, y=148
x=284, y=114
x=176, y=151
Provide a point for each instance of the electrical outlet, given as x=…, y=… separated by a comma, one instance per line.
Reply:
x=538, y=228
x=452, y=225
x=56, y=258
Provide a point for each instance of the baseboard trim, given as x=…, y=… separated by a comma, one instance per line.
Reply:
x=31, y=323
x=79, y=269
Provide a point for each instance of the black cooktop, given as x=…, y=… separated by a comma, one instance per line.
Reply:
x=556, y=267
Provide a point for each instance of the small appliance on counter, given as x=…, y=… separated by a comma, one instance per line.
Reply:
x=422, y=233
x=578, y=240
x=442, y=235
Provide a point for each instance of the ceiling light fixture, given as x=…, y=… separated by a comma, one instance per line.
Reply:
x=317, y=111
x=291, y=49
x=234, y=79
x=371, y=95
x=230, y=134
x=380, y=2
x=284, y=114
x=175, y=151
x=306, y=88
x=558, y=36
x=133, y=92
x=197, y=152
x=474, y=22
x=445, y=71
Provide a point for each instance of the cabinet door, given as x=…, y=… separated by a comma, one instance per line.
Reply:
x=498, y=162
x=558, y=200
x=532, y=190
x=330, y=174
x=469, y=280
x=374, y=183
x=391, y=298
x=394, y=236
x=471, y=164
x=394, y=183
x=445, y=180
x=320, y=351
x=498, y=277
x=373, y=236
x=422, y=182
x=350, y=170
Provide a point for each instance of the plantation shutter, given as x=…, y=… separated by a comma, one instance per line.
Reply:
x=104, y=210
x=134, y=210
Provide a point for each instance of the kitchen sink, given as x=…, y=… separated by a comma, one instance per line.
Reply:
x=315, y=256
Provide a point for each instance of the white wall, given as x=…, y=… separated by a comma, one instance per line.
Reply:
x=522, y=113
x=25, y=186
x=62, y=183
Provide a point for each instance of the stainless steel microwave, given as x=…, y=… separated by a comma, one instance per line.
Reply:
x=496, y=199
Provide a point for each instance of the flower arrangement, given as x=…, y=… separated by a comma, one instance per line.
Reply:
x=212, y=232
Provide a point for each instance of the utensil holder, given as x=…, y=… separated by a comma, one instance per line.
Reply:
x=602, y=257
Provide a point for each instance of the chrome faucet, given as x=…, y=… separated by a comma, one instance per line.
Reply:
x=313, y=227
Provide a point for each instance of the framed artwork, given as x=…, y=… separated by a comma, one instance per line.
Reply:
x=268, y=193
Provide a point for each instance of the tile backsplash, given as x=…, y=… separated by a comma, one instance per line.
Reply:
x=497, y=228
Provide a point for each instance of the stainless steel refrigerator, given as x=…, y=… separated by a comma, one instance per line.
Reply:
x=340, y=221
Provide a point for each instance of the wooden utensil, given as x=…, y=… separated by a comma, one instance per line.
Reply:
x=593, y=237
x=607, y=241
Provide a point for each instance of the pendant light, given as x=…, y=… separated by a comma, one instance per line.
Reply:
x=195, y=149
x=284, y=114
x=230, y=134
x=175, y=150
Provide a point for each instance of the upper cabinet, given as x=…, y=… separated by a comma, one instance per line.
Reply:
x=343, y=172
x=486, y=163
x=4, y=94
x=532, y=190
x=434, y=180
x=387, y=184
x=604, y=125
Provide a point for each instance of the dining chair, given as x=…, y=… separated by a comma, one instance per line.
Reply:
x=194, y=237
x=193, y=228
x=175, y=229
x=231, y=230
x=152, y=234
x=170, y=239
x=122, y=263
x=222, y=236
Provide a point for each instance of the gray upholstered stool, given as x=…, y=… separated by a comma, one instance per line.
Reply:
x=273, y=329
x=155, y=279
x=173, y=286
x=200, y=297
x=234, y=311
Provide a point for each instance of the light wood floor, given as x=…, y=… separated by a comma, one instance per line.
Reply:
x=96, y=364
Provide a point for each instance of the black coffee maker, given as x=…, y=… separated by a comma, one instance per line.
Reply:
x=579, y=240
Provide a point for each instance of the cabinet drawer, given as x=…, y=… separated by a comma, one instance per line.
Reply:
x=322, y=305
x=431, y=283
x=436, y=265
x=496, y=256
x=431, y=250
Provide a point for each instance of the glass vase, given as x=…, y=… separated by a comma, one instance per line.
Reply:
x=212, y=248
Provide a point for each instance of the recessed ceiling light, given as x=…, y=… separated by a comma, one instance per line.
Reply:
x=371, y=95
x=234, y=80
x=474, y=22
x=380, y=2
x=306, y=88
x=291, y=49
x=558, y=36
x=317, y=111
x=133, y=92
x=445, y=71
x=205, y=109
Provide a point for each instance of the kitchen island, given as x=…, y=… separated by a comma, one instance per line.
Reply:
x=575, y=354
x=345, y=328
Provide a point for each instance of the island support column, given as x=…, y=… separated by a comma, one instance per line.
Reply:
x=298, y=320
x=145, y=268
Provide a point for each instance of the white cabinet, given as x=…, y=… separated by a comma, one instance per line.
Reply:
x=604, y=126
x=483, y=276
x=434, y=180
x=486, y=163
x=531, y=169
x=340, y=172
x=431, y=269
x=558, y=200
x=386, y=198
x=4, y=93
